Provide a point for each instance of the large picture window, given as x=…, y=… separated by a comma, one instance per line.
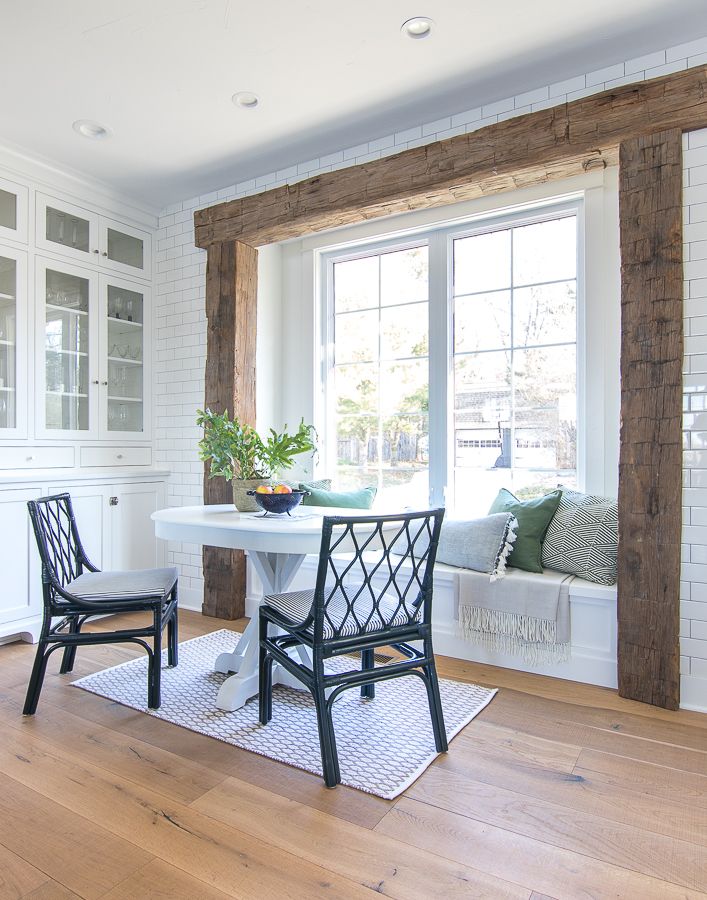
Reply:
x=380, y=372
x=452, y=364
x=515, y=360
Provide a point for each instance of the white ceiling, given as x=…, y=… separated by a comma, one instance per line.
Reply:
x=329, y=74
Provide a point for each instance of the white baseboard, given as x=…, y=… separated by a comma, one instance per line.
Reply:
x=693, y=693
x=583, y=666
x=190, y=598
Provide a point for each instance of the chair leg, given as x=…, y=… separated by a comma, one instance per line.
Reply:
x=173, y=639
x=435, y=701
x=69, y=654
x=264, y=675
x=34, y=688
x=154, y=699
x=327, y=738
x=367, y=662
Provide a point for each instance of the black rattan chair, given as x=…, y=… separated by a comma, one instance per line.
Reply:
x=74, y=591
x=365, y=597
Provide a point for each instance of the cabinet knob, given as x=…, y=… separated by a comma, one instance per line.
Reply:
x=113, y=501
x=30, y=458
x=105, y=253
x=95, y=381
x=94, y=251
x=103, y=382
x=119, y=456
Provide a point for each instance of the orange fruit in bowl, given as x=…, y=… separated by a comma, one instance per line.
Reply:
x=263, y=489
x=282, y=489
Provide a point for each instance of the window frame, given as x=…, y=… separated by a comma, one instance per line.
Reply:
x=439, y=239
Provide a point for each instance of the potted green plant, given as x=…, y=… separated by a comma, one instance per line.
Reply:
x=237, y=452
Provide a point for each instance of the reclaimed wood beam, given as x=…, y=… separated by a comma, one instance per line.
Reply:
x=231, y=304
x=542, y=146
x=650, y=462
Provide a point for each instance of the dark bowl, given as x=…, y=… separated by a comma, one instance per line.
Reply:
x=278, y=503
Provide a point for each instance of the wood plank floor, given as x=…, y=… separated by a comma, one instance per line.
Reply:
x=556, y=790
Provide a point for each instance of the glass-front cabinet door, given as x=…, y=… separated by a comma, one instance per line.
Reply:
x=13, y=211
x=67, y=229
x=126, y=325
x=72, y=231
x=67, y=338
x=13, y=342
x=125, y=249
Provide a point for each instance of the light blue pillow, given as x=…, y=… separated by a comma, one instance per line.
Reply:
x=479, y=544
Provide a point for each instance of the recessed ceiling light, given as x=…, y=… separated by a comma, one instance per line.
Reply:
x=418, y=27
x=88, y=129
x=245, y=99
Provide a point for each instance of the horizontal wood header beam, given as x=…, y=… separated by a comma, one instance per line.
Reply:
x=537, y=147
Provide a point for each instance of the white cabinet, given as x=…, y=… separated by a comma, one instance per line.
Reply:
x=13, y=211
x=20, y=597
x=91, y=509
x=13, y=341
x=114, y=523
x=132, y=539
x=85, y=236
x=113, y=518
x=92, y=341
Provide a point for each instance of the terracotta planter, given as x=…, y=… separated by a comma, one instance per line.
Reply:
x=241, y=500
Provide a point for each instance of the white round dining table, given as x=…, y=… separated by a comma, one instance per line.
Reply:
x=277, y=546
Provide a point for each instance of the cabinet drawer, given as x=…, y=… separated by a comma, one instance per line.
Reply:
x=116, y=456
x=36, y=457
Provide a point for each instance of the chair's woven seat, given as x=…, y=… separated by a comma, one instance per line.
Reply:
x=136, y=585
x=342, y=619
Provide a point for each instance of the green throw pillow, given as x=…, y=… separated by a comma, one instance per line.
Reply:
x=361, y=499
x=533, y=519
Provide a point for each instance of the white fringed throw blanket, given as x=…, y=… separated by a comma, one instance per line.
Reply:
x=523, y=613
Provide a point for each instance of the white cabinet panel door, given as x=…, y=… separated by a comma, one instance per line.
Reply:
x=19, y=559
x=91, y=510
x=134, y=545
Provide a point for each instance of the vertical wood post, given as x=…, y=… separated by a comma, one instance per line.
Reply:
x=231, y=304
x=650, y=461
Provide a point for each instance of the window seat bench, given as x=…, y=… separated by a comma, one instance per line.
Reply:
x=592, y=626
x=592, y=629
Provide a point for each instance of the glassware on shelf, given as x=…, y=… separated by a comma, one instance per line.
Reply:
x=129, y=309
x=135, y=353
x=117, y=306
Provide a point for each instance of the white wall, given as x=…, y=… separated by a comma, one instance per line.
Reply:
x=181, y=325
x=693, y=593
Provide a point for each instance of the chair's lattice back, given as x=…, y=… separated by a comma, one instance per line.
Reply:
x=60, y=547
x=362, y=585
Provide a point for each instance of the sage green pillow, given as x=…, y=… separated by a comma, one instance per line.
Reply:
x=361, y=499
x=533, y=517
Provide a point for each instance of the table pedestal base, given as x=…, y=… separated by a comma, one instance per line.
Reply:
x=276, y=571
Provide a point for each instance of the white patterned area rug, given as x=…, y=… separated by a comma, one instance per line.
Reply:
x=383, y=744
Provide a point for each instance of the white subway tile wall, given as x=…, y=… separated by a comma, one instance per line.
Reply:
x=693, y=588
x=181, y=325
